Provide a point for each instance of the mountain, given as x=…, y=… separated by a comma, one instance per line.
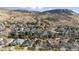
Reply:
x=54, y=17
x=49, y=30
x=61, y=17
x=67, y=11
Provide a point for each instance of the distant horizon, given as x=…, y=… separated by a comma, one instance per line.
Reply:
x=40, y=9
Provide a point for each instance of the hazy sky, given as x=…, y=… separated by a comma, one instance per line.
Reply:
x=76, y=9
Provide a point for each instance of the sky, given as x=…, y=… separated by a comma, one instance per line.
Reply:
x=75, y=9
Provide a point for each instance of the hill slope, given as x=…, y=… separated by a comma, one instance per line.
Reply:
x=49, y=30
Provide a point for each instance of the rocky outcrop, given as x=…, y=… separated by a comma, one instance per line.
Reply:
x=16, y=42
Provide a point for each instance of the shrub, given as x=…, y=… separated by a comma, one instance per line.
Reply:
x=17, y=47
x=56, y=49
x=31, y=48
x=43, y=49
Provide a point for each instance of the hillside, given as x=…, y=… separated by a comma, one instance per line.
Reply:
x=55, y=30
